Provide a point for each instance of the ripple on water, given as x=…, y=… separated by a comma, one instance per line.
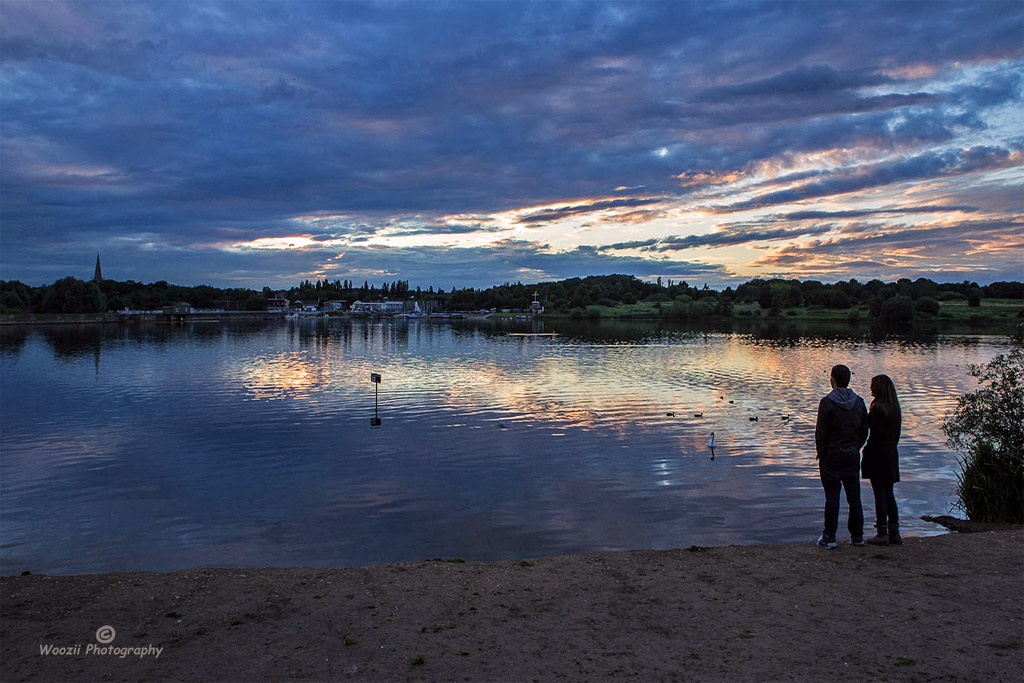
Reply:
x=165, y=448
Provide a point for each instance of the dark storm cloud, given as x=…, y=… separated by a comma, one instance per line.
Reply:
x=862, y=213
x=801, y=81
x=195, y=124
x=919, y=167
x=725, y=236
x=588, y=207
x=996, y=244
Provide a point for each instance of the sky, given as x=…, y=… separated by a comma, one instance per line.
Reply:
x=251, y=144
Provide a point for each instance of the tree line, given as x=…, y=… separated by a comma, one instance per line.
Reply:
x=574, y=297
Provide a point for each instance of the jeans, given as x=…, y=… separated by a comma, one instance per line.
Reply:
x=886, y=513
x=855, y=523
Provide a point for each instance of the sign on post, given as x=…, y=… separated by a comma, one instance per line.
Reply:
x=375, y=420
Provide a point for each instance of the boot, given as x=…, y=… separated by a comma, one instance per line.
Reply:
x=881, y=536
x=894, y=534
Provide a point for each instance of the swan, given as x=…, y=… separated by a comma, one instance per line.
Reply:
x=711, y=441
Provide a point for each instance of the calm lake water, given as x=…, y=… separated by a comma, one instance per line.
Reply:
x=249, y=444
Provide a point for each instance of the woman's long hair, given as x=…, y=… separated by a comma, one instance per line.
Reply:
x=883, y=393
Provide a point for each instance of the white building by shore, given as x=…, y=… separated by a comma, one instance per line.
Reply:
x=386, y=307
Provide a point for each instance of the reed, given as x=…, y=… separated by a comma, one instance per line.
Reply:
x=990, y=485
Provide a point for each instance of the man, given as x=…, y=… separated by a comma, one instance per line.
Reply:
x=840, y=432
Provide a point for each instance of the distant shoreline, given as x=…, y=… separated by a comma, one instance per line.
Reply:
x=937, y=608
x=994, y=326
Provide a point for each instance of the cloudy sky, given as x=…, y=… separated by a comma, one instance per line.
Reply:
x=471, y=143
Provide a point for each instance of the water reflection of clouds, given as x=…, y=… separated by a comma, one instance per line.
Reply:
x=198, y=459
x=294, y=375
x=616, y=388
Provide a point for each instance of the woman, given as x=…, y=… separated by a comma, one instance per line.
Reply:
x=881, y=460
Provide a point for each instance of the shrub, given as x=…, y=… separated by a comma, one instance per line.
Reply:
x=987, y=427
x=928, y=305
x=898, y=309
x=990, y=486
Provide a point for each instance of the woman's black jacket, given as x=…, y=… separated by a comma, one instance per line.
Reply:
x=881, y=459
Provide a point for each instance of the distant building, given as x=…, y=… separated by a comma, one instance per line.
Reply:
x=386, y=307
x=178, y=308
x=277, y=303
x=98, y=275
x=535, y=307
x=336, y=305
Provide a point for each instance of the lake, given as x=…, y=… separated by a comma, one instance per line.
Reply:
x=165, y=447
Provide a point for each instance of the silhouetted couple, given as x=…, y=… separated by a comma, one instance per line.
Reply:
x=843, y=425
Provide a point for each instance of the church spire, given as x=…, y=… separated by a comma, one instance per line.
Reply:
x=98, y=277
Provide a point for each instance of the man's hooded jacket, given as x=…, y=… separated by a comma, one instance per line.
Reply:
x=841, y=431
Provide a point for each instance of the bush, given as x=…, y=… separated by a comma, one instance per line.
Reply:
x=928, y=305
x=897, y=309
x=987, y=426
x=990, y=486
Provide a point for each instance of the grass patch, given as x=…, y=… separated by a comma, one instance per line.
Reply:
x=1004, y=645
x=904, y=661
x=173, y=615
x=527, y=563
x=346, y=640
x=419, y=660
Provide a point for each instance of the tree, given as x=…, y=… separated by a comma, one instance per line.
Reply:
x=987, y=427
x=928, y=305
x=974, y=295
x=839, y=299
x=71, y=295
x=995, y=412
x=898, y=309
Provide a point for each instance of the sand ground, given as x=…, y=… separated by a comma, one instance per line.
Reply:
x=945, y=608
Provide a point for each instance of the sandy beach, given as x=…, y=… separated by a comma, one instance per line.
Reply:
x=946, y=608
